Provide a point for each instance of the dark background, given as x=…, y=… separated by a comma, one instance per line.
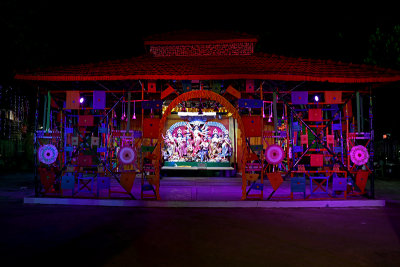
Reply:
x=55, y=33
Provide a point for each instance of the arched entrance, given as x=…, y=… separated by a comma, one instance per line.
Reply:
x=203, y=94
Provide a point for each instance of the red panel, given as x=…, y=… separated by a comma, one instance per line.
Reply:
x=84, y=160
x=361, y=179
x=315, y=114
x=167, y=92
x=316, y=160
x=304, y=139
x=330, y=139
x=150, y=128
x=252, y=126
x=333, y=97
x=85, y=120
x=231, y=90
x=72, y=101
x=152, y=86
x=275, y=178
x=249, y=86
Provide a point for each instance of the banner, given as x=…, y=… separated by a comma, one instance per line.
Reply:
x=300, y=98
x=152, y=104
x=85, y=120
x=151, y=86
x=250, y=103
x=249, y=86
x=72, y=101
x=167, y=92
x=252, y=125
x=233, y=92
x=150, y=127
x=333, y=97
x=99, y=99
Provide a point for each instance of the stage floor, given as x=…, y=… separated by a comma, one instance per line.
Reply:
x=209, y=192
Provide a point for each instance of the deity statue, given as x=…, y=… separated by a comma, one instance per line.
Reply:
x=226, y=146
x=204, y=149
x=181, y=144
x=197, y=134
x=170, y=143
x=214, y=144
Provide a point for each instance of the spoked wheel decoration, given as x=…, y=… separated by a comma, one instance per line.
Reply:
x=126, y=155
x=48, y=154
x=274, y=154
x=359, y=155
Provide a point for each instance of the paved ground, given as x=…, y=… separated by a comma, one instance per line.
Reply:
x=122, y=236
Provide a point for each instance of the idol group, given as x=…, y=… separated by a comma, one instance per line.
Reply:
x=195, y=144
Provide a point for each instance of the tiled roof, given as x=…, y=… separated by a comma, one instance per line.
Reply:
x=255, y=66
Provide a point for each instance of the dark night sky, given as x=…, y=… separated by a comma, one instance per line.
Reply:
x=53, y=33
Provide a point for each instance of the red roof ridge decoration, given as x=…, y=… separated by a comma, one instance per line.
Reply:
x=198, y=37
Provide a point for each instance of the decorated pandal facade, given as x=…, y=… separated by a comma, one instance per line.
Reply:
x=205, y=101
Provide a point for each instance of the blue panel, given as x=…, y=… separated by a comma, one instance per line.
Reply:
x=103, y=182
x=153, y=104
x=339, y=184
x=257, y=186
x=297, y=149
x=337, y=149
x=250, y=103
x=336, y=126
x=68, y=182
x=101, y=149
x=69, y=130
x=103, y=130
x=298, y=184
x=147, y=187
x=300, y=98
x=296, y=127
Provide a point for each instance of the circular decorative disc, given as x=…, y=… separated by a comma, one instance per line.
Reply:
x=126, y=155
x=274, y=154
x=48, y=154
x=359, y=155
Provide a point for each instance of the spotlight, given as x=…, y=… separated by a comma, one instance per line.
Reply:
x=316, y=98
x=81, y=100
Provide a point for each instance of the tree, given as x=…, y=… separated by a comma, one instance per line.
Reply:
x=384, y=47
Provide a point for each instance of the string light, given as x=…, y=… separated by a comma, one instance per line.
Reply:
x=134, y=114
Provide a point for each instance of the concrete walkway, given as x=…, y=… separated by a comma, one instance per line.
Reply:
x=203, y=192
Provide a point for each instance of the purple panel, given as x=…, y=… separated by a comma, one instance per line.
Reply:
x=300, y=97
x=99, y=99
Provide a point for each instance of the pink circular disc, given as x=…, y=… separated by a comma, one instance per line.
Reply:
x=126, y=155
x=359, y=155
x=48, y=154
x=274, y=154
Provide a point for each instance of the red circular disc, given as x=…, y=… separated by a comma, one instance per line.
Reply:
x=359, y=155
x=274, y=154
x=126, y=155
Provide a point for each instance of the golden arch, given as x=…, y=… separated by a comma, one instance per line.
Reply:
x=203, y=94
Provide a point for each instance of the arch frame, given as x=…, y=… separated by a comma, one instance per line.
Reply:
x=199, y=94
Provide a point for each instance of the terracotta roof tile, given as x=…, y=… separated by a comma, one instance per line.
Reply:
x=256, y=66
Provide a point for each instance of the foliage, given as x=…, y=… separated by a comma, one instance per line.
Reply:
x=384, y=47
